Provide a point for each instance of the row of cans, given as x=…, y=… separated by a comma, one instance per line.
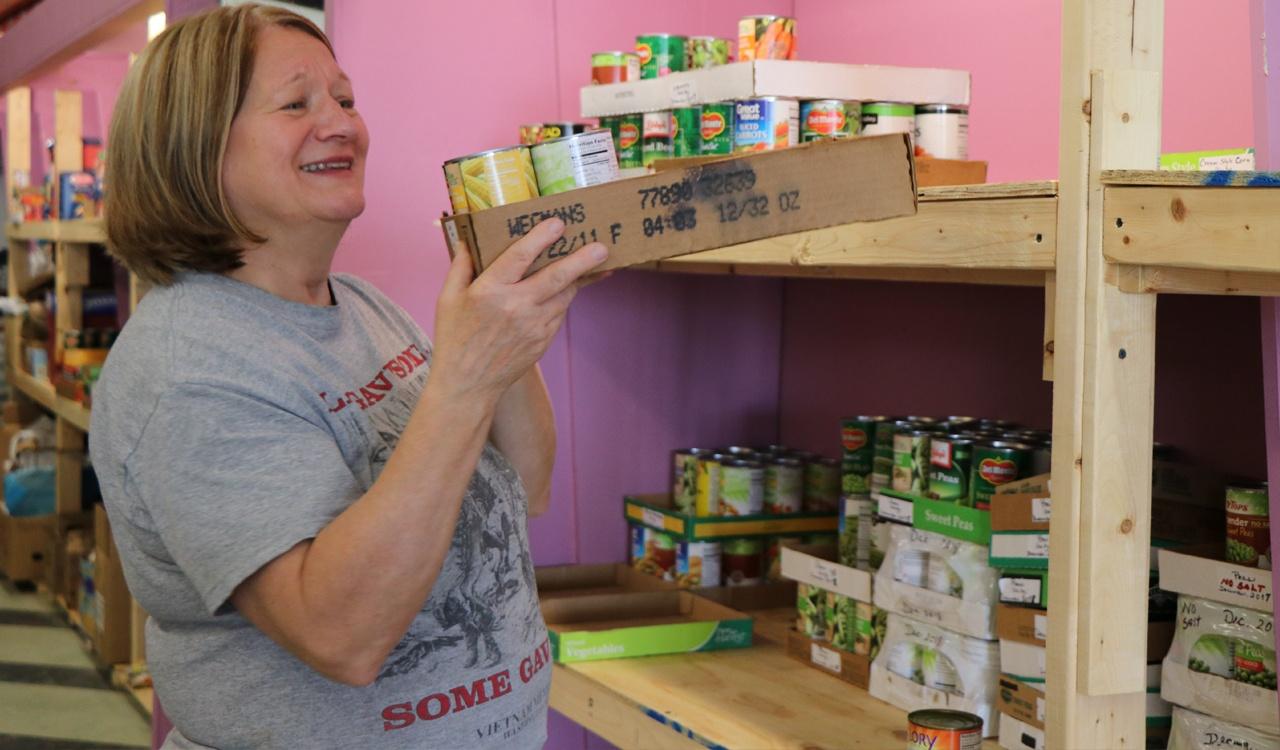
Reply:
x=763, y=37
x=741, y=481
x=517, y=173
x=956, y=459
x=748, y=561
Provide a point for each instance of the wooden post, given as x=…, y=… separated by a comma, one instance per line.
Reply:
x=18, y=147
x=1104, y=355
x=71, y=276
x=69, y=442
x=1050, y=300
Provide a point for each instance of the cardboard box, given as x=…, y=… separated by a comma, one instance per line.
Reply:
x=1195, y=731
x=972, y=618
x=797, y=79
x=898, y=507
x=1234, y=701
x=854, y=669
x=1228, y=583
x=1024, y=587
x=617, y=626
x=1020, y=700
x=1023, y=661
x=582, y=580
x=949, y=519
x=941, y=172
x=657, y=512
x=911, y=696
x=22, y=545
x=815, y=565
x=713, y=205
x=1038, y=484
x=1021, y=511
x=112, y=630
x=1230, y=159
x=1031, y=626
x=1016, y=734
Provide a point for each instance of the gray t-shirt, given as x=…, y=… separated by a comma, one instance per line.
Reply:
x=231, y=424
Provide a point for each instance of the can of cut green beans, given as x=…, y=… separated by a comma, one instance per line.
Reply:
x=950, y=466
x=626, y=131
x=882, y=463
x=783, y=485
x=717, y=128
x=1248, y=525
x=911, y=460
x=661, y=54
x=686, y=136
x=995, y=463
x=822, y=485
x=857, y=438
x=741, y=488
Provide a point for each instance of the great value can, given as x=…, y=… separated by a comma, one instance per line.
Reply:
x=765, y=124
x=911, y=460
x=453, y=179
x=995, y=463
x=707, y=501
x=498, y=177
x=661, y=54
x=626, y=131
x=943, y=729
x=707, y=52
x=684, y=478
x=766, y=38
x=829, y=118
x=741, y=488
x=698, y=564
x=783, y=485
x=857, y=438
x=576, y=161
x=942, y=131
x=615, y=67
x=717, y=128
x=742, y=561
x=1248, y=525
x=950, y=467
x=656, y=142
x=686, y=136
x=822, y=485
x=882, y=118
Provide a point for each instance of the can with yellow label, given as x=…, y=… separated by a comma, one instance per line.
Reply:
x=498, y=177
x=457, y=193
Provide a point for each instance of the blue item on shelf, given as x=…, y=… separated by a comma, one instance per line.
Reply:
x=29, y=492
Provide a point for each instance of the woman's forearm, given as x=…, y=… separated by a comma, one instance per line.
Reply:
x=524, y=430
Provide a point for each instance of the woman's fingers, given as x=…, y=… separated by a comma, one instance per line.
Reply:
x=564, y=273
x=511, y=266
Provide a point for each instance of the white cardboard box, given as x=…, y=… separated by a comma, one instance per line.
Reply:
x=1018, y=735
x=1195, y=731
x=976, y=619
x=1228, y=583
x=1233, y=701
x=910, y=696
x=1022, y=661
x=807, y=564
x=798, y=79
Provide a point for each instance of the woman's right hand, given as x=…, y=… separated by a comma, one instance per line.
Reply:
x=491, y=329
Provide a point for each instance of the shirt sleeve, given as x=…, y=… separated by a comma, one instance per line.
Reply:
x=232, y=481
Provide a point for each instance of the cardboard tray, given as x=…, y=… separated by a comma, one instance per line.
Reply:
x=616, y=626
x=657, y=512
x=940, y=517
x=583, y=580
x=910, y=696
x=1217, y=696
x=975, y=619
x=815, y=565
x=727, y=202
x=1030, y=626
x=771, y=595
x=941, y=172
x=1228, y=583
x=851, y=668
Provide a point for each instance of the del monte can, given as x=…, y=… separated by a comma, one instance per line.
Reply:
x=717, y=128
x=995, y=463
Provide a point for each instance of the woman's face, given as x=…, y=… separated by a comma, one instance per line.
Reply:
x=297, y=146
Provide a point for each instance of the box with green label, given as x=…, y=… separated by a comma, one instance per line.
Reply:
x=618, y=626
x=657, y=512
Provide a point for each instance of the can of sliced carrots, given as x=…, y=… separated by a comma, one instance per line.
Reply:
x=766, y=38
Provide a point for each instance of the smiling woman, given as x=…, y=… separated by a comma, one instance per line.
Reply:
x=324, y=513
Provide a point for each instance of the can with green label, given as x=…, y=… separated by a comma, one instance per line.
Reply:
x=707, y=52
x=707, y=498
x=950, y=467
x=995, y=463
x=829, y=118
x=661, y=54
x=684, y=478
x=881, y=118
x=911, y=460
x=1248, y=525
x=783, y=485
x=656, y=141
x=822, y=485
x=741, y=488
x=811, y=611
x=857, y=437
x=882, y=463
x=626, y=130
x=717, y=128
x=686, y=136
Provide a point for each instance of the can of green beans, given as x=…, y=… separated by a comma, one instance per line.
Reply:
x=741, y=488
x=661, y=54
x=995, y=463
x=626, y=131
x=783, y=485
x=950, y=466
x=716, y=129
x=822, y=485
x=882, y=462
x=911, y=460
x=686, y=137
x=857, y=438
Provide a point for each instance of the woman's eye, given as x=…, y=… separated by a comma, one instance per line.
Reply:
x=347, y=103
x=295, y=105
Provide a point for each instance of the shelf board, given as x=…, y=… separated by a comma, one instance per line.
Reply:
x=798, y=79
x=43, y=393
x=979, y=234
x=735, y=699
x=76, y=230
x=1183, y=237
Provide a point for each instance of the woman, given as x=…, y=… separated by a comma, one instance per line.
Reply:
x=332, y=545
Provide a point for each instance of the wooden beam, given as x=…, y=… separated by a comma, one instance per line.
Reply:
x=58, y=31
x=611, y=715
x=69, y=441
x=1226, y=229
x=17, y=144
x=1177, y=178
x=993, y=277
x=1159, y=280
x=987, y=191
x=1050, y=302
x=71, y=276
x=68, y=144
x=1110, y=118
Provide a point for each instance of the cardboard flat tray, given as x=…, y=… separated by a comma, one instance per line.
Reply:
x=854, y=669
x=743, y=198
x=1217, y=696
x=1228, y=583
x=972, y=618
x=815, y=565
x=910, y=696
x=657, y=512
x=582, y=580
x=615, y=626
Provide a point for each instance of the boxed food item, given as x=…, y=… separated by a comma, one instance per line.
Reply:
x=1031, y=626
x=842, y=622
x=658, y=512
x=940, y=580
x=1016, y=734
x=854, y=669
x=1024, y=587
x=706, y=206
x=1024, y=700
x=1223, y=662
x=1020, y=526
x=924, y=666
x=1023, y=661
x=1228, y=583
x=616, y=626
x=22, y=545
x=1196, y=731
x=816, y=565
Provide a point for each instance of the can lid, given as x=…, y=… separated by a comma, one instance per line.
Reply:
x=1005, y=445
x=864, y=418
x=613, y=52
x=660, y=36
x=1247, y=485
x=957, y=439
x=941, y=109
x=743, y=463
x=571, y=136
x=490, y=151
x=786, y=461
x=921, y=420
x=922, y=433
x=944, y=718
x=826, y=461
x=765, y=16
x=737, y=450
x=708, y=36
x=694, y=451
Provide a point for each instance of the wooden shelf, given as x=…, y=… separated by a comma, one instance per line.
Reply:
x=42, y=392
x=738, y=700
x=77, y=230
x=1192, y=232
x=981, y=234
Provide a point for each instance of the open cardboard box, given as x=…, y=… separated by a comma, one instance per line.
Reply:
x=941, y=172
x=585, y=580
x=854, y=669
x=705, y=206
x=1229, y=583
x=657, y=512
x=616, y=626
x=815, y=564
x=1030, y=626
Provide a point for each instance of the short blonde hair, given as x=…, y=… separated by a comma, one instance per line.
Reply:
x=165, y=207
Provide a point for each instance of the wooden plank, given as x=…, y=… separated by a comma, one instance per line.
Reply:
x=1156, y=279
x=137, y=290
x=1097, y=35
x=993, y=234
x=1225, y=229
x=1044, y=189
x=71, y=276
x=69, y=440
x=73, y=230
x=37, y=390
x=610, y=715
x=17, y=155
x=1170, y=178
x=68, y=144
x=58, y=31
x=1050, y=302
x=994, y=277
